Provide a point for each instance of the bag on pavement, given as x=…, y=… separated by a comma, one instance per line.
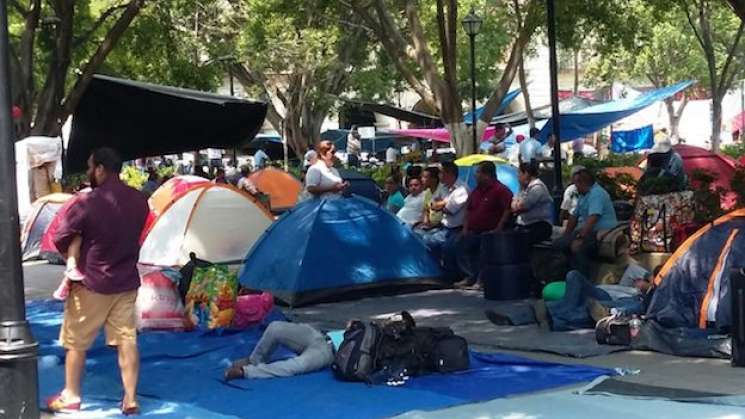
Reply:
x=158, y=305
x=210, y=302
x=613, y=330
x=355, y=360
x=251, y=309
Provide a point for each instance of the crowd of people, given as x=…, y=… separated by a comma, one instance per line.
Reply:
x=453, y=220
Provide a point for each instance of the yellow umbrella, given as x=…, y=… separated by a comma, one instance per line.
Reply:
x=478, y=158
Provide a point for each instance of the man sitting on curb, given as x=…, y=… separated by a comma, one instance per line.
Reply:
x=487, y=211
x=594, y=214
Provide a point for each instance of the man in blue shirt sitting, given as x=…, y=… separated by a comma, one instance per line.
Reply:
x=594, y=214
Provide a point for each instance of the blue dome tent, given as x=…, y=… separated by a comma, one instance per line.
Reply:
x=322, y=249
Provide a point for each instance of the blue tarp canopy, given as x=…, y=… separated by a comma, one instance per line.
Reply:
x=361, y=185
x=592, y=119
x=508, y=98
x=324, y=248
x=632, y=140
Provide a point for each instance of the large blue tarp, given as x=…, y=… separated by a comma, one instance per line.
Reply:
x=181, y=377
x=632, y=140
x=326, y=247
x=506, y=101
x=369, y=145
x=592, y=119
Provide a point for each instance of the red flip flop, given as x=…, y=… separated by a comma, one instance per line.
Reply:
x=57, y=404
x=132, y=410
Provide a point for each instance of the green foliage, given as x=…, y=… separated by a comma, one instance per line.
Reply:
x=735, y=150
x=738, y=186
x=611, y=160
x=166, y=172
x=621, y=187
x=73, y=182
x=378, y=174
x=707, y=198
x=656, y=185
x=133, y=176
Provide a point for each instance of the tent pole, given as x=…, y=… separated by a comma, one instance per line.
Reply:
x=555, y=115
x=18, y=348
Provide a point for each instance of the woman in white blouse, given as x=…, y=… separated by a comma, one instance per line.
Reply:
x=322, y=179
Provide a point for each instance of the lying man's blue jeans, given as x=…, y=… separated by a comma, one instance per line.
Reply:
x=571, y=311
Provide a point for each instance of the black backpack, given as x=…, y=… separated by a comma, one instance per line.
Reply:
x=356, y=358
x=442, y=350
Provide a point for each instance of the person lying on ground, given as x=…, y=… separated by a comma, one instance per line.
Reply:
x=395, y=200
x=533, y=206
x=412, y=213
x=314, y=350
x=594, y=214
x=585, y=303
x=487, y=211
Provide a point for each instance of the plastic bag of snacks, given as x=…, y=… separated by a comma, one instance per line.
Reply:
x=210, y=302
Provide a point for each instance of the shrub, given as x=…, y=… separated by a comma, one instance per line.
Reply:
x=738, y=186
x=133, y=176
x=707, y=198
x=735, y=150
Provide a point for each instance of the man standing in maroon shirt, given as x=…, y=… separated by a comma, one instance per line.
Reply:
x=487, y=210
x=109, y=219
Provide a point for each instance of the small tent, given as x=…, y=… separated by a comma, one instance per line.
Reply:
x=361, y=185
x=324, y=248
x=43, y=211
x=283, y=189
x=217, y=222
x=48, y=250
x=172, y=189
x=506, y=173
x=693, y=286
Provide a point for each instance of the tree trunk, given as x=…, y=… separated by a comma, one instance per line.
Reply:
x=674, y=116
x=525, y=92
x=461, y=137
x=716, y=122
x=575, y=89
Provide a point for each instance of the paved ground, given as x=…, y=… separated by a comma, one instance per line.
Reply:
x=463, y=311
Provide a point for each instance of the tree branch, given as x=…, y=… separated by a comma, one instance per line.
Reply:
x=99, y=56
x=100, y=21
x=725, y=80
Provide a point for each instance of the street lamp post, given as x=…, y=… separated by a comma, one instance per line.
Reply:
x=555, y=129
x=18, y=349
x=472, y=24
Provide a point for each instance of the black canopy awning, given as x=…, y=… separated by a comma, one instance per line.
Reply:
x=142, y=119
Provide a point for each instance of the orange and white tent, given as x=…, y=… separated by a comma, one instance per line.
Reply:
x=217, y=222
x=283, y=189
x=172, y=189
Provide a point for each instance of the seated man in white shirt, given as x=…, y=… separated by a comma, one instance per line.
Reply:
x=530, y=149
x=412, y=212
x=440, y=238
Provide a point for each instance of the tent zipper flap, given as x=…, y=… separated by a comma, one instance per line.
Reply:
x=715, y=275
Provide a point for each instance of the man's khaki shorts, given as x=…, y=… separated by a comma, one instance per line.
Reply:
x=86, y=312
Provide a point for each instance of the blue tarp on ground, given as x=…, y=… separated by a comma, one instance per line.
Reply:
x=181, y=378
x=592, y=119
x=323, y=248
x=506, y=173
x=632, y=140
x=506, y=101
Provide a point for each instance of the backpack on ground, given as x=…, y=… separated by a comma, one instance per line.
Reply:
x=443, y=351
x=355, y=360
x=613, y=330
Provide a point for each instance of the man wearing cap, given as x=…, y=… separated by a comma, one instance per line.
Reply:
x=663, y=161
